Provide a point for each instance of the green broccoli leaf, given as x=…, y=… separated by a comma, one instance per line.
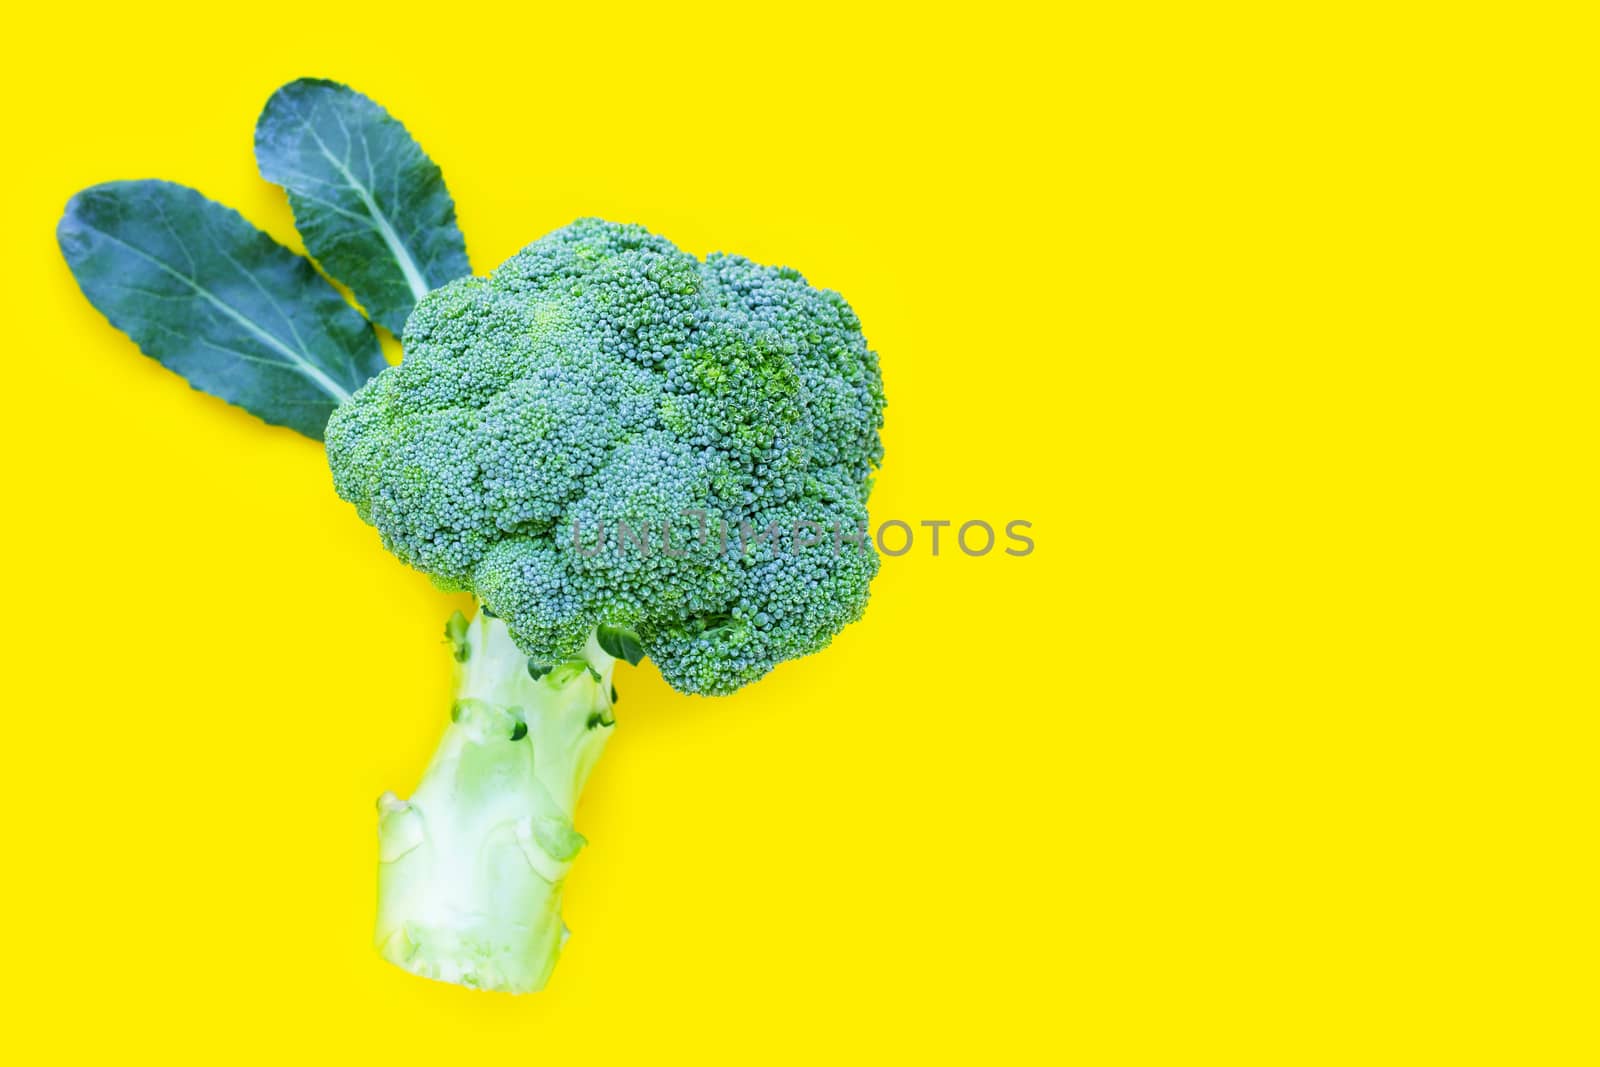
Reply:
x=370, y=205
x=208, y=295
x=619, y=642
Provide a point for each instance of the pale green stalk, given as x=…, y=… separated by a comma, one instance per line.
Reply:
x=471, y=868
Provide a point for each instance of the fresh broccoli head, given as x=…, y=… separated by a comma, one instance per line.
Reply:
x=601, y=432
x=621, y=451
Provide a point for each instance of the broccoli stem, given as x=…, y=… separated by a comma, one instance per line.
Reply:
x=471, y=868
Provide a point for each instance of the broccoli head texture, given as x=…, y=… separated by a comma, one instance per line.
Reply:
x=607, y=430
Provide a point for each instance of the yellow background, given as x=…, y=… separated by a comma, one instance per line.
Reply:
x=1279, y=328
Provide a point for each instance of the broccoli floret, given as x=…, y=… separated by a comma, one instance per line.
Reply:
x=620, y=450
x=603, y=377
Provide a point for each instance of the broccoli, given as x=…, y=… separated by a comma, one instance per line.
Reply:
x=620, y=450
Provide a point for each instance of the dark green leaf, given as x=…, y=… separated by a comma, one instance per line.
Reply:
x=613, y=694
x=204, y=292
x=620, y=642
x=370, y=205
x=537, y=670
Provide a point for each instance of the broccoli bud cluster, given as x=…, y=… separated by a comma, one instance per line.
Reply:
x=602, y=377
